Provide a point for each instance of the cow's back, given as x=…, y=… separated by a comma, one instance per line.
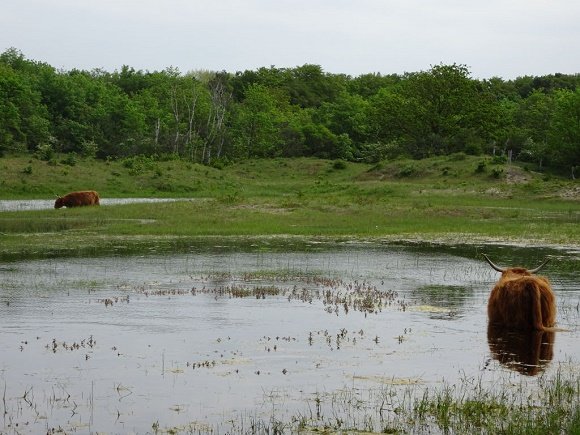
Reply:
x=79, y=199
x=522, y=302
x=92, y=198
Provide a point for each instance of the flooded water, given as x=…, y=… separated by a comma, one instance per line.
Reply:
x=43, y=204
x=210, y=340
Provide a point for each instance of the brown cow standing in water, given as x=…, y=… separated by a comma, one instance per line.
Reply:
x=77, y=199
x=521, y=300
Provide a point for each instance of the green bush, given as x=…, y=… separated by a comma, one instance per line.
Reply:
x=70, y=159
x=89, y=148
x=44, y=152
x=499, y=160
x=457, y=157
x=138, y=164
x=408, y=170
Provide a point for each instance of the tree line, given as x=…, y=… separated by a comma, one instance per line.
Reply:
x=214, y=117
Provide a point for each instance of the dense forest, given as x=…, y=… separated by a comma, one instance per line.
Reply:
x=216, y=117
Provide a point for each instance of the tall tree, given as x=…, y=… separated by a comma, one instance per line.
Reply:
x=23, y=117
x=444, y=100
x=565, y=130
x=347, y=115
x=256, y=123
x=220, y=97
x=535, y=117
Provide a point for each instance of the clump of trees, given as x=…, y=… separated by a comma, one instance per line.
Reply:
x=211, y=117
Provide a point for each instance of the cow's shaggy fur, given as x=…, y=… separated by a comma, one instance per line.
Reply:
x=522, y=300
x=77, y=199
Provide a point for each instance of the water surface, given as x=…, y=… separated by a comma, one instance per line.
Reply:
x=127, y=344
x=44, y=204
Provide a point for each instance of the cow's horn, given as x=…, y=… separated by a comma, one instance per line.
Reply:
x=540, y=266
x=499, y=269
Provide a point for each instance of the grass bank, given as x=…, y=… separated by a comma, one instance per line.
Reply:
x=458, y=198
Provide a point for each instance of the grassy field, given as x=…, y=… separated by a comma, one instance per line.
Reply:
x=460, y=199
x=456, y=199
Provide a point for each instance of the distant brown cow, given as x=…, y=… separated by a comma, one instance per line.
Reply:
x=521, y=300
x=77, y=199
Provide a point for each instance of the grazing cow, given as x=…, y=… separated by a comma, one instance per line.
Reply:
x=77, y=199
x=521, y=300
x=527, y=352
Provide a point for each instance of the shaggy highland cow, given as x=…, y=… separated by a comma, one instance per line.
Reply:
x=77, y=199
x=522, y=300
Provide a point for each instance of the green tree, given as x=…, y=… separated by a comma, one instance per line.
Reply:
x=308, y=86
x=565, y=130
x=347, y=115
x=534, y=117
x=439, y=111
x=11, y=89
x=320, y=142
x=368, y=85
x=393, y=120
x=444, y=100
x=23, y=117
x=256, y=124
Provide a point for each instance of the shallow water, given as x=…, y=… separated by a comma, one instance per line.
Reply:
x=127, y=344
x=44, y=204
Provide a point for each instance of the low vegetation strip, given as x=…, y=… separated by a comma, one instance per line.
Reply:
x=287, y=197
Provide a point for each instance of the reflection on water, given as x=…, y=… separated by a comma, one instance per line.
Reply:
x=121, y=344
x=443, y=295
x=527, y=352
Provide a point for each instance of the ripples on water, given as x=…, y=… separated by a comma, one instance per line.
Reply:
x=122, y=344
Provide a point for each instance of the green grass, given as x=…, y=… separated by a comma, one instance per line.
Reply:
x=443, y=198
x=506, y=408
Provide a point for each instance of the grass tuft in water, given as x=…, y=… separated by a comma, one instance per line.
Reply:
x=550, y=406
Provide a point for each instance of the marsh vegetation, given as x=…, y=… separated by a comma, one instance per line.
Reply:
x=296, y=198
x=369, y=337
x=282, y=296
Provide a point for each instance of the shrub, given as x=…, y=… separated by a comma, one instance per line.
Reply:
x=88, y=148
x=457, y=157
x=498, y=160
x=44, y=152
x=480, y=167
x=70, y=159
x=407, y=170
x=138, y=164
x=339, y=164
x=378, y=167
x=474, y=148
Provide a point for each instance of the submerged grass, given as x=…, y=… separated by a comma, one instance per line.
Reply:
x=551, y=406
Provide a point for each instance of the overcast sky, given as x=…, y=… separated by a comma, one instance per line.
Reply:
x=504, y=38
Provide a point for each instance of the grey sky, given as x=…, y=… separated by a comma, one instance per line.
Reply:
x=505, y=38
